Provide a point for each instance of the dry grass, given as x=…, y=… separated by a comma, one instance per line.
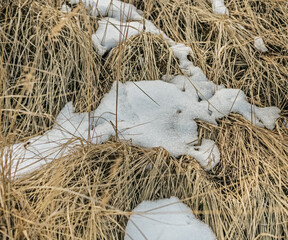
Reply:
x=224, y=51
x=90, y=194
x=45, y=61
x=144, y=57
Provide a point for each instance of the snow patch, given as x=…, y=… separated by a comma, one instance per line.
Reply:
x=166, y=219
x=65, y=9
x=151, y=114
x=219, y=7
x=259, y=44
x=111, y=32
x=111, y=8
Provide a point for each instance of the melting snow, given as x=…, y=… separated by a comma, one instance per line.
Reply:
x=166, y=219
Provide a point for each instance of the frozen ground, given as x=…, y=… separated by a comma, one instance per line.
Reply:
x=166, y=219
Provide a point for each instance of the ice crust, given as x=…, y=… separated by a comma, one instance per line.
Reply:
x=166, y=219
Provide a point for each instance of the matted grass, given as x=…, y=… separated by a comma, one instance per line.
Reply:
x=144, y=57
x=224, y=50
x=46, y=59
x=90, y=194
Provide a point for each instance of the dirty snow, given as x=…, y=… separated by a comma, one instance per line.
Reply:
x=259, y=44
x=166, y=219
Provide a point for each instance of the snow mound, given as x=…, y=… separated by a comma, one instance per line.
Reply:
x=151, y=114
x=166, y=219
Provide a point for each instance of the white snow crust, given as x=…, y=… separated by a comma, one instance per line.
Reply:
x=166, y=219
x=259, y=44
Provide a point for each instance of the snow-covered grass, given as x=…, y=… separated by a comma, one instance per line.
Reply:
x=91, y=193
x=150, y=114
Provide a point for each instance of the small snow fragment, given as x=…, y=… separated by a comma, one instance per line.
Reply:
x=112, y=31
x=65, y=8
x=166, y=219
x=181, y=51
x=111, y=8
x=219, y=7
x=207, y=154
x=259, y=44
x=285, y=123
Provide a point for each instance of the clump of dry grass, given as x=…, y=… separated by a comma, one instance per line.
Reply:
x=91, y=193
x=144, y=57
x=46, y=59
x=224, y=50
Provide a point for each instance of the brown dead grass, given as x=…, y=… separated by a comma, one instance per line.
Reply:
x=144, y=57
x=226, y=52
x=90, y=194
x=46, y=59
